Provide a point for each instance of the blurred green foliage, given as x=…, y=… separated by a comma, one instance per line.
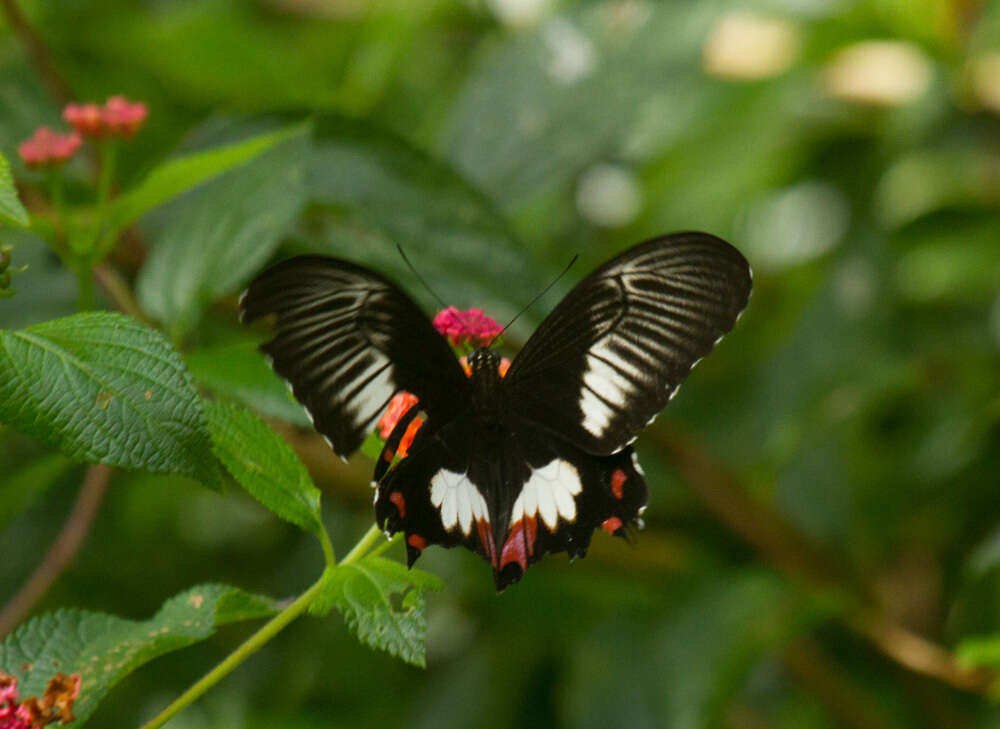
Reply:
x=849, y=423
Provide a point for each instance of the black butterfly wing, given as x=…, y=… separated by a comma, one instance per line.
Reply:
x=347, y=339
x=613, y=352
x=511, y=495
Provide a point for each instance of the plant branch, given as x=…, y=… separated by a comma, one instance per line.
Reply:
x=119, y=291
x=40, y=56
x=254, y=643
x=62, y=551
x=795, y=554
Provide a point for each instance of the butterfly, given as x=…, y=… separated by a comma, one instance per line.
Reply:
x=517, y=465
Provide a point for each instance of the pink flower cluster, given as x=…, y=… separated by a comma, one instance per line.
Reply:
x=466, y=327
x=48, y=148
x=117, y=118
x=56, y=703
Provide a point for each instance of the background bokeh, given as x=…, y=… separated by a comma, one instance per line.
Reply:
x=822, y=541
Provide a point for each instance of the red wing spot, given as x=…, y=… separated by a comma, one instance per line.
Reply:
x=611, y=525
x=408, y=436
x=397, y=498
x=532, y=525
x=514, y=548
x=486, y=539
x=617, y=481
x=416, y=541
x=402, y=402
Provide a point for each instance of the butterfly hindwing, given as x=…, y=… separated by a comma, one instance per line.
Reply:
x=510, y=496
x=347, y=340
x=612, y=353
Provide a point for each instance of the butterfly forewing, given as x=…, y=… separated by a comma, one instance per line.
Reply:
x=347, y=340
x=614, y=351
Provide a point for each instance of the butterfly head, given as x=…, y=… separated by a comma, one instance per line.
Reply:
x=484, y=361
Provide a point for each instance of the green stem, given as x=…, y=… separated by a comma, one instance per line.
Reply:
x=109, y=150
x=85, y=290
x=328, y=555
x=274, y=626
x=366, y=542
x=250, y=646
x=385, y=545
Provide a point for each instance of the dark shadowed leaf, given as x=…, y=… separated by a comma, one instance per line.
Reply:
x=222, y=232
x=239, y=372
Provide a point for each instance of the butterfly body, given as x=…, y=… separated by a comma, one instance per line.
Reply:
x=511, y=465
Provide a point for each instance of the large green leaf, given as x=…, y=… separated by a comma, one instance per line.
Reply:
x=364, y=593
x=178, y=175
x=542, y=105
x=12, y=211
x=383, y=191
x=103, y=388
x=264, y=464
x=104, y=649
x=239, y=372
x=219, y=234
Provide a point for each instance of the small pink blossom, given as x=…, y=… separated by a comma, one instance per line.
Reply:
x=119, y=117
x=123, y=118
x=84, y=118
x=46, y=147
x=466, y=327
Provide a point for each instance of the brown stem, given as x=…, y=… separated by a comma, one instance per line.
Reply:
x=796, y=555
x=119, y=291
x=62, y=551
x=40, y=56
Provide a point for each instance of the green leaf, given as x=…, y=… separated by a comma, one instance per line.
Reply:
x=177, y=176
x=980, y=651
x=21, y=488
x=364, y=593
x=712, y=641
x=223, y=232
x=12, y=211
x=526, y=118
x=103, y=388
x=239, y=372
x=104, y=649
x=264, y=464
x=382, y=190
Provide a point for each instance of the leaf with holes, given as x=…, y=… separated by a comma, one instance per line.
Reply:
x=12, y=211
x=264, y=464
x=104, y=649
x=103, y=388
x=383, y=604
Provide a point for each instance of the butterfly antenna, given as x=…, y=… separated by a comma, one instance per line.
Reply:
x=539, y=295
x=427, y=286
